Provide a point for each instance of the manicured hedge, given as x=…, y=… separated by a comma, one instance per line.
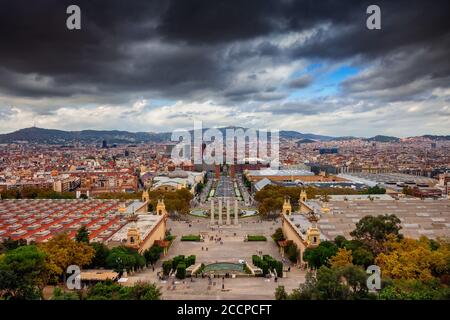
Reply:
x=190, y=261
x=178, y=263
x=181, y=271
x=191, y=238
x=177, y=260
x=266, y=263
x=167, y=266
x=256, y=238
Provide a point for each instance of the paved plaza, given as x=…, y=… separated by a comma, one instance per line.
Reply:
x=231, y=248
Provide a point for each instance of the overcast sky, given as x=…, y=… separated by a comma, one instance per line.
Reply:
x=309, y=66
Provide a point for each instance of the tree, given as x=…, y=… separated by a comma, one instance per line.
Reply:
x=355, y=278
x=10, y=244
x=144, y=291
x=100, y=256
x=415, y=290
x=292, y=252
x=341, y=283
x=342, y=258
x=307, y=290
x=22, y=273
x=82, y=235
x=59, y=294
x=280, y=293
x=153, y=254
x=329, y=284
x=167, y=266
x=181, y=271
x=109, y=290
x=374, y=231
x=320, y=255
x=362, y=257
x=120, y=258
x=271, y=197
x=61, y=252
x=175, y=201
x=413, y=259
x=340, y=241
x=177, y=260
x=375, y=190
x=278, y=235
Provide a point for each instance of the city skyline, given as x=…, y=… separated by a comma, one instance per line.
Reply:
x=286, y=132
x=157, y=66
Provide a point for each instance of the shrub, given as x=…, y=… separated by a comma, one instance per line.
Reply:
x=191, y=238
x=167, y=266
x=278, y=235
x=190, y=260
x=169, y=237
x=153, y=254
x=181, y=271
x=176, y=261
x=266, y=263
x=292, y=252
x=256, y=260
x=256, y=238
x=201, y=269
x=264, y=267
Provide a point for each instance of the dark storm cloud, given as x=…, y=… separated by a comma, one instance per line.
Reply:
x=185, y=49
x=404, y=75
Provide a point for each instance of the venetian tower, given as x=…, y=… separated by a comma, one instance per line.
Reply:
x=145, y=196
x=161, y=208
x=133, y=233
x=287, y=208
x=303, y=196
x=313, y=233
x=303, y=207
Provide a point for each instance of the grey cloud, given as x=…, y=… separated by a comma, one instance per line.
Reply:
x=300, y=82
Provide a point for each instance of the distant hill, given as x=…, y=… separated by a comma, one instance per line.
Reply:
x=305, y=141
x=345, y=138
x=298, y=135
x=52, y=136
x=380, y=138
x=437, y=138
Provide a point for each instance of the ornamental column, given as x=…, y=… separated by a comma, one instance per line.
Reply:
x=212, y=212
x=220, y=211
x=228, y=212
x=236, y=222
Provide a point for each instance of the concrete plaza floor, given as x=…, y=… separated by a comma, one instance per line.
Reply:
x=232, y=249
